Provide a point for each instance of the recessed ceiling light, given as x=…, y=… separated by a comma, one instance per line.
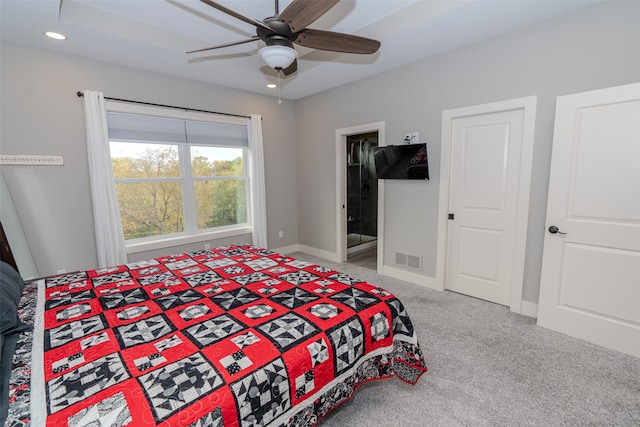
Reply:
x=272, y=85
x=55, y=36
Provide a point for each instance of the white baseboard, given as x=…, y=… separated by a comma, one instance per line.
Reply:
x=529, y=309
x=286, y=249
x=408, y=276
x=331, y=256
x=396, y=273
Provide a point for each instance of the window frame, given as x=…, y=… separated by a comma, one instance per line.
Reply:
x=191, y=233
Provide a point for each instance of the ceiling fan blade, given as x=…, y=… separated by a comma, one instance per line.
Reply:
x=291, y=68
x=235, y=14
x=301, y=13
x=336, y=42
x=254, y=38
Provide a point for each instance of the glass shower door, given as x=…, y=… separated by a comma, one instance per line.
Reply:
x=362, y=192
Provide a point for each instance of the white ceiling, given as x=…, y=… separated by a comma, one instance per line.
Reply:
x=155, y=34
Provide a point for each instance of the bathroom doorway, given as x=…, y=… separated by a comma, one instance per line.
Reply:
x=362, y=198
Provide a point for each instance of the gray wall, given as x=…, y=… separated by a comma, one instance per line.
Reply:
x=41, y=114
x=595, y=48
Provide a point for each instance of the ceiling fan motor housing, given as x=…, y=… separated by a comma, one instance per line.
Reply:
x=279, y=34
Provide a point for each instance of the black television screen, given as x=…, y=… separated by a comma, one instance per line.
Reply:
x=402, y=161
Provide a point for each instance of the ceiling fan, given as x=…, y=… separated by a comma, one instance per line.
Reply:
x=280, y=31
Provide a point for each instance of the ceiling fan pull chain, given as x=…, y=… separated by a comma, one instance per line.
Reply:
x=279, y=100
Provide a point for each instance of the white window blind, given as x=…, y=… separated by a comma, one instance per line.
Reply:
x=135, y=127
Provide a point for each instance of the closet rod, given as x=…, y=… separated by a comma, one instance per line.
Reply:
x=80, y=95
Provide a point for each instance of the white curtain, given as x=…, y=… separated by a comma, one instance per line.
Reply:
x=106, y=217
x=256, y=177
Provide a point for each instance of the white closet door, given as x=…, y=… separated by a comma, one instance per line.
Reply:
x=590, y=285
x=490, y=172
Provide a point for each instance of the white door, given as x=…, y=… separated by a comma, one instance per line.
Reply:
x=590, y=284
x=488, y=199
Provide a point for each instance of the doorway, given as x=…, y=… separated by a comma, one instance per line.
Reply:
x=362, y=194
x=366, y=240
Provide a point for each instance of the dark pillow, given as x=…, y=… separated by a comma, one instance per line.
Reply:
x=11, y=286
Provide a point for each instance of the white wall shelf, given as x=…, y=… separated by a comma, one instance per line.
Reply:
x=30, y=160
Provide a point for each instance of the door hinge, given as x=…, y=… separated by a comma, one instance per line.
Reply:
x=451, y=216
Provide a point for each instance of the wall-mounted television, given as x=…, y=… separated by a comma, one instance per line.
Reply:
x=402, y=161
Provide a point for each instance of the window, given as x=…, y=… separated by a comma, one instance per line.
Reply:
x=179, y=176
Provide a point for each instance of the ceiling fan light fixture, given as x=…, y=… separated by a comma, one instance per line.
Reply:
x=278, y=57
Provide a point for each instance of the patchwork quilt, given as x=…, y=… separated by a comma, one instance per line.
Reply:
x=231, y=336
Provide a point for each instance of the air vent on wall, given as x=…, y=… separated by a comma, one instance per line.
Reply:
x=410, y=261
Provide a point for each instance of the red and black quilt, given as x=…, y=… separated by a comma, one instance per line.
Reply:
x=231, y=336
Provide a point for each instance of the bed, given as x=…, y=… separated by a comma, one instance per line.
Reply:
x=231, y=336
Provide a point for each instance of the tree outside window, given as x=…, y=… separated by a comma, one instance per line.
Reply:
x=164, y=189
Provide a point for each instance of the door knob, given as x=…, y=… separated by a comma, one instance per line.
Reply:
x=553, y=230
